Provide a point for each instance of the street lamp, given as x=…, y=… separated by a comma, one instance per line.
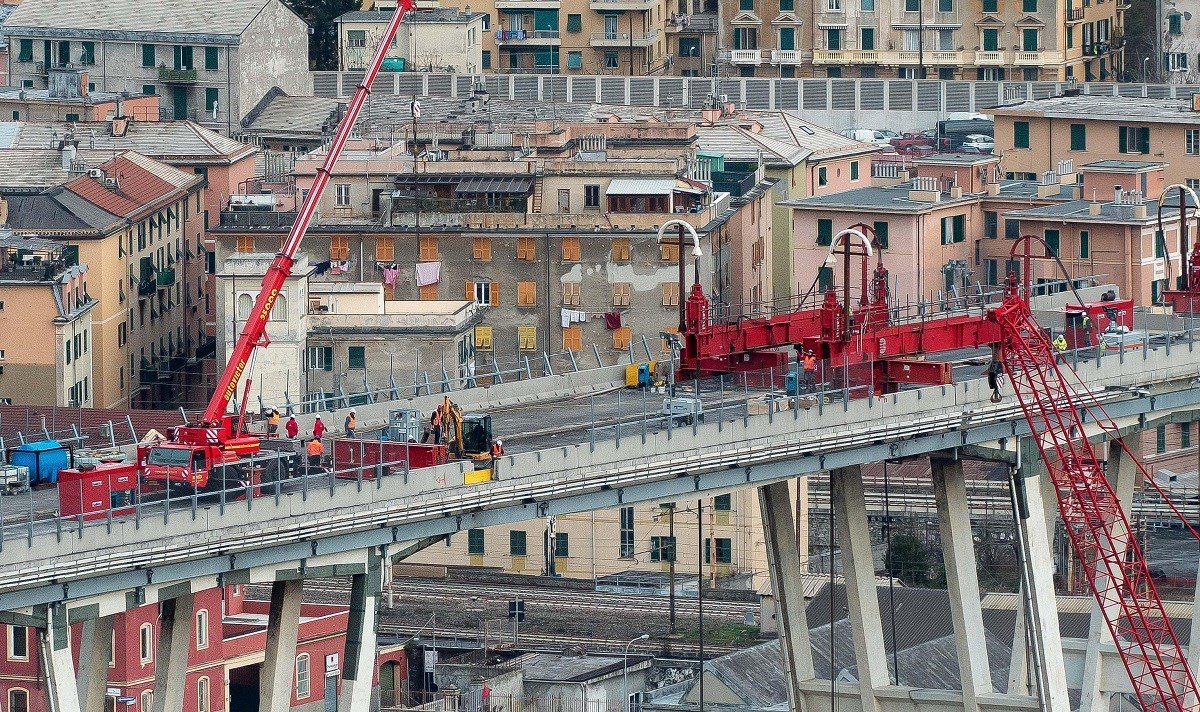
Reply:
x=683, y=225
x=1145, y=61
x=625, y=668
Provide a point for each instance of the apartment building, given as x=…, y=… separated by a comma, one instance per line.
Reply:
x=1034, y=135
x=69, y=99
x=138, y=225
x=433, y=40
x=210, y=62
x=225, y=654
x=1177, y=42
x=944, y=227
x=45, y=324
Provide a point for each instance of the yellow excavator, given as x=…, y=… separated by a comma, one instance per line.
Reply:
x=468, y=436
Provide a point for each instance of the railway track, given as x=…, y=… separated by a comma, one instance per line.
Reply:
x=471, y=638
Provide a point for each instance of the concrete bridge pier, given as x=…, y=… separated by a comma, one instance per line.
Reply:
x=361, y=636
x=283, y=630
x=55, y=643
x=962, y=578
x=94, y=649
x=858, y=567
x=783, y=562
x=174, y=644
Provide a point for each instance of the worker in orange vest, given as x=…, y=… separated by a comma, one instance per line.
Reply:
x=497, y=451
x=810, y=371
x=273, y=423
x=351, y=424
x=315, y=451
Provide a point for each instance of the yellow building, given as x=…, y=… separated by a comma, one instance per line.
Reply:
x=139, y=226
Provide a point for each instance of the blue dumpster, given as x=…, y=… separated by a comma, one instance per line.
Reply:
x=44, y=459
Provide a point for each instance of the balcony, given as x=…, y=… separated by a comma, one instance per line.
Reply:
x=1037, y=59
x=166, y=277
x=176, y=76
x=990, y=58
x=624, y=39
x=745, y=56
x=259, y=219
x=610, y=5
x=147, y=287
x=692, y=24
x=528, y=38
x=785, y=56
x=893, y=58
x=1074, y=15
x=528, y=5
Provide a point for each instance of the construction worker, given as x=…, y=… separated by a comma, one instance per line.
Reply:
x=351, y=424
x=435, y=421
x=810, y=371
x=497, y=451
x=994, y=371
x=315, y=451
x=318, y=428
x=1060, y=345
x=273, y=423
x=291, y=427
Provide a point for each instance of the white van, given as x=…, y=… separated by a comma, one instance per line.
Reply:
x=878, y=138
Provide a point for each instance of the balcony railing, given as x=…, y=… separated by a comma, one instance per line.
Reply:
x=886, y=57
x=251, y=219
x=166, y=74
x=990, y=58
x=528, y=4
x=785, y=56
x=166, y=277
x=147, y=287
x=745, y=56
x=624, y=39
x=608, y=5
x=532, y=37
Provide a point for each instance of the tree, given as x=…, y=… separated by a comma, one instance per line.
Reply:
x=322, y=40
x=907, y=560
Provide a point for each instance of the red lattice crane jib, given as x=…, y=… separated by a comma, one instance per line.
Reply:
x=1097, y=527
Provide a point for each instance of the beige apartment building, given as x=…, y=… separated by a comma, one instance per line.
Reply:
x=1034, y=135
x=430, y=40
x=45, y=324
x=139, y=226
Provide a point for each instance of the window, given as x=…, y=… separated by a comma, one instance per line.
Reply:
x=146, y=643
x=201, y=629
x=210, y=58
x=1175, y=62
x=1029, y=39
x=481, y=249
x=662, y=548
x=1160, y=439
x=341, y=194
x=88, y=55
x=745, y=38
x=824, y=232
x=149, y=90
x=953, y=229
x=1085, y=246
x=572, y=338
x=18, y=642
x=487, y=59
x=621, y=338
x=526, y=294
x=1185, y=435
x=18, y=700
x=668, y=252
x=25, y=53
x=689, y=46
x=1052, y=237
x=787, y=38
x=627, y=540
x=723, y=503
x=571, y=293
x=516, y=543
x=620, y=249
x=356, y=357
x=670, y=294
x=610, y=60
x=1133, y=139
x=945, y=5
x=724, y=551
x=1020, y=134
x=867, y=5
x=562, y=546
x=570, y=249
x=475, y=542
x=991, y=41
x=867, y=38
x=428, y=249
x=854, y=170
x=527, y=338
x=881, y=234
x=1029, y=6
x=833, y=40
x=912, y=5
x=1012, y=229
x=787, y=5
x=621, y=294
x=1192, y=142
x=483, y=338
x=210, y=99
x=822, y=176
x=990, y=5
x=202, y=695
x=147, y=56
x=339, y=247
x=320, y=358
x=746, y=5
x=991, y=224
x=303, y=681
x=1078, y=137
x=526, y=249
x=574, y=23
x=385, y=249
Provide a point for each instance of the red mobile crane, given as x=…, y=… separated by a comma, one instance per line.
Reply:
x=195, y=449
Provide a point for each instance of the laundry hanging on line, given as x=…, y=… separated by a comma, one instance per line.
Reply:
x=427, y=273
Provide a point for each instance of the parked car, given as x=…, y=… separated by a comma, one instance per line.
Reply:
x=867, y=136
x=978, y=143
x=911, y=140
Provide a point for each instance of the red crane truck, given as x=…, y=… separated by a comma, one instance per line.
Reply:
x=215, y=451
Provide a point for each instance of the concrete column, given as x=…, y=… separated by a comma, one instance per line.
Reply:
x=858, y=567
x=962, y=579
x=55, y=645
x=174, y=644
x=283, y=630
x=359, y=666
x=1018, y=662
x=1122, y=472
x=94, y=649
x=783, y=563
x=1040, y=511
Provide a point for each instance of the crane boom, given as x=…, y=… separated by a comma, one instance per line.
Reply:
x=281, y=267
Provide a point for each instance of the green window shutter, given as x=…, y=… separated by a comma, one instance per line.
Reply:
x=147, y=55
x=210, y=98
x=545, y=20
x=1122, y=139
x=881, y=234
x=822, y=176
x=328, y=355
x=746, y=5
x=990, y=5
x=945, y=5
x=25, y=54
x=655, y=549
x=356, y=357
x=1078, y=137
x=1085, y=247
x=708, y=550
x=148, y=89
x=868, y=38
x=1159, y=244
x=562, y=546
x=991, y=40
x=210, y=57
x=574, y=23
x=487, y=59
x=787, y=38
x=475, y=542
x=1029, y=6
x=1052, y=240
x=89, y=53
x=854, y=170
x=1143, y=139
x=824, y=232
x=1020, y=134
x=787, y=5
x=1029, y=40
x=723, y=503
x=959, y=223
x=516, y=543
x=824, y=278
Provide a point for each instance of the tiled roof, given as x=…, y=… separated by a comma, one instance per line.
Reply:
x=298, y=115
x=171, y=141
x=1105, y=108
x=5, y=11
x=115, y=19
x=738, y=144
x=137, y=190
x=31, y=169
x=48, y=212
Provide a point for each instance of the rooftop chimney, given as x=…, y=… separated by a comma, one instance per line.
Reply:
x=68, y=154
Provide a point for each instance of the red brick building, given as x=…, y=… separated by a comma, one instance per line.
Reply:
x=227, y=648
